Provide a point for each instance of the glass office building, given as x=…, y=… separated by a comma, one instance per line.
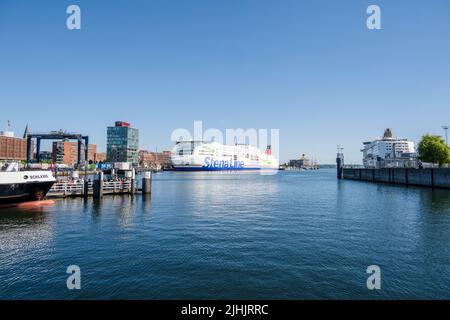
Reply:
x=122, y=143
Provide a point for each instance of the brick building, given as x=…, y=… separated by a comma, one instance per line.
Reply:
x=11, y=147
x=66, y=152
x=151, y=159
x=99, y=157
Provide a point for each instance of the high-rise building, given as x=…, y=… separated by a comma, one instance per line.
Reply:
x=122, y=143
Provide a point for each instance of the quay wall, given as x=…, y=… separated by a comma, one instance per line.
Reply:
x=399, y=175
x=442, y=179
x=367, y=175
x=353, y=174
x=435, y=177
x=382, y=175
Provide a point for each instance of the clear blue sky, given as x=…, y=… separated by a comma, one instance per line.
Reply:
x=310, y=68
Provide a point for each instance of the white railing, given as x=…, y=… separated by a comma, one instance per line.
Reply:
x=76, y=188
x=68, y=188
x=116, y=186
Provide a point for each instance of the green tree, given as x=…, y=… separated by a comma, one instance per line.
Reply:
x=433, y=149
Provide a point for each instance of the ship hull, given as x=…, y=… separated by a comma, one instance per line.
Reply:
x=199, y=156
x=205, y=168
x=23, y=192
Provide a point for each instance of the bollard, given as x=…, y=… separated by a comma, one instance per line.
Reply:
x=147, y=183
x=98, y=185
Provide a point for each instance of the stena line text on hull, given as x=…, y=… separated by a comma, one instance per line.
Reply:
x=213, y=156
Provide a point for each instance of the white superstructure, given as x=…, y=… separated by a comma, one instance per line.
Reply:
x=213, y=156
x=388, y=151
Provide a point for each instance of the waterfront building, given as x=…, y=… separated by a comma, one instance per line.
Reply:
x=11, y=147
x=388, y=152
x=122, y=143
x=66, y=152
x=155, y=159
x=46, y=156
x=92, y=151
x=61, y=152
x=301, y=163
x=99, y=157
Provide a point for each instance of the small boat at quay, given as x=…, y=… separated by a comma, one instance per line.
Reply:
x=17, y=186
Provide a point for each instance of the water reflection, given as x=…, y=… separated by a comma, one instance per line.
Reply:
x=96, y=208
x=126, y=210
x=146, y=202
x=436, y=201
x=22, y=230
x=225, y=193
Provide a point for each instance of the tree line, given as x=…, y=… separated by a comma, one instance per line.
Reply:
x=434, y=149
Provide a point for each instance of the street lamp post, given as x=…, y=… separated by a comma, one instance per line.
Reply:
x=446, y=129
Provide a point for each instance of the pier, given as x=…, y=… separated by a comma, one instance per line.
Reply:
x=76, y=189
x=98, y=187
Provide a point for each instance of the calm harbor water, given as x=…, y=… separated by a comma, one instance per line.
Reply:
x=295, y=235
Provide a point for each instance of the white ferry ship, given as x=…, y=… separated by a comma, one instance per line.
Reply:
x=20, y=186
x=213, y=156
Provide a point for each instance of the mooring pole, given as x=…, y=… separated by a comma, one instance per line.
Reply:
x=147, y=183
x=340, y=163
x=133, y=181
x=98, y=185
x=85, y=187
